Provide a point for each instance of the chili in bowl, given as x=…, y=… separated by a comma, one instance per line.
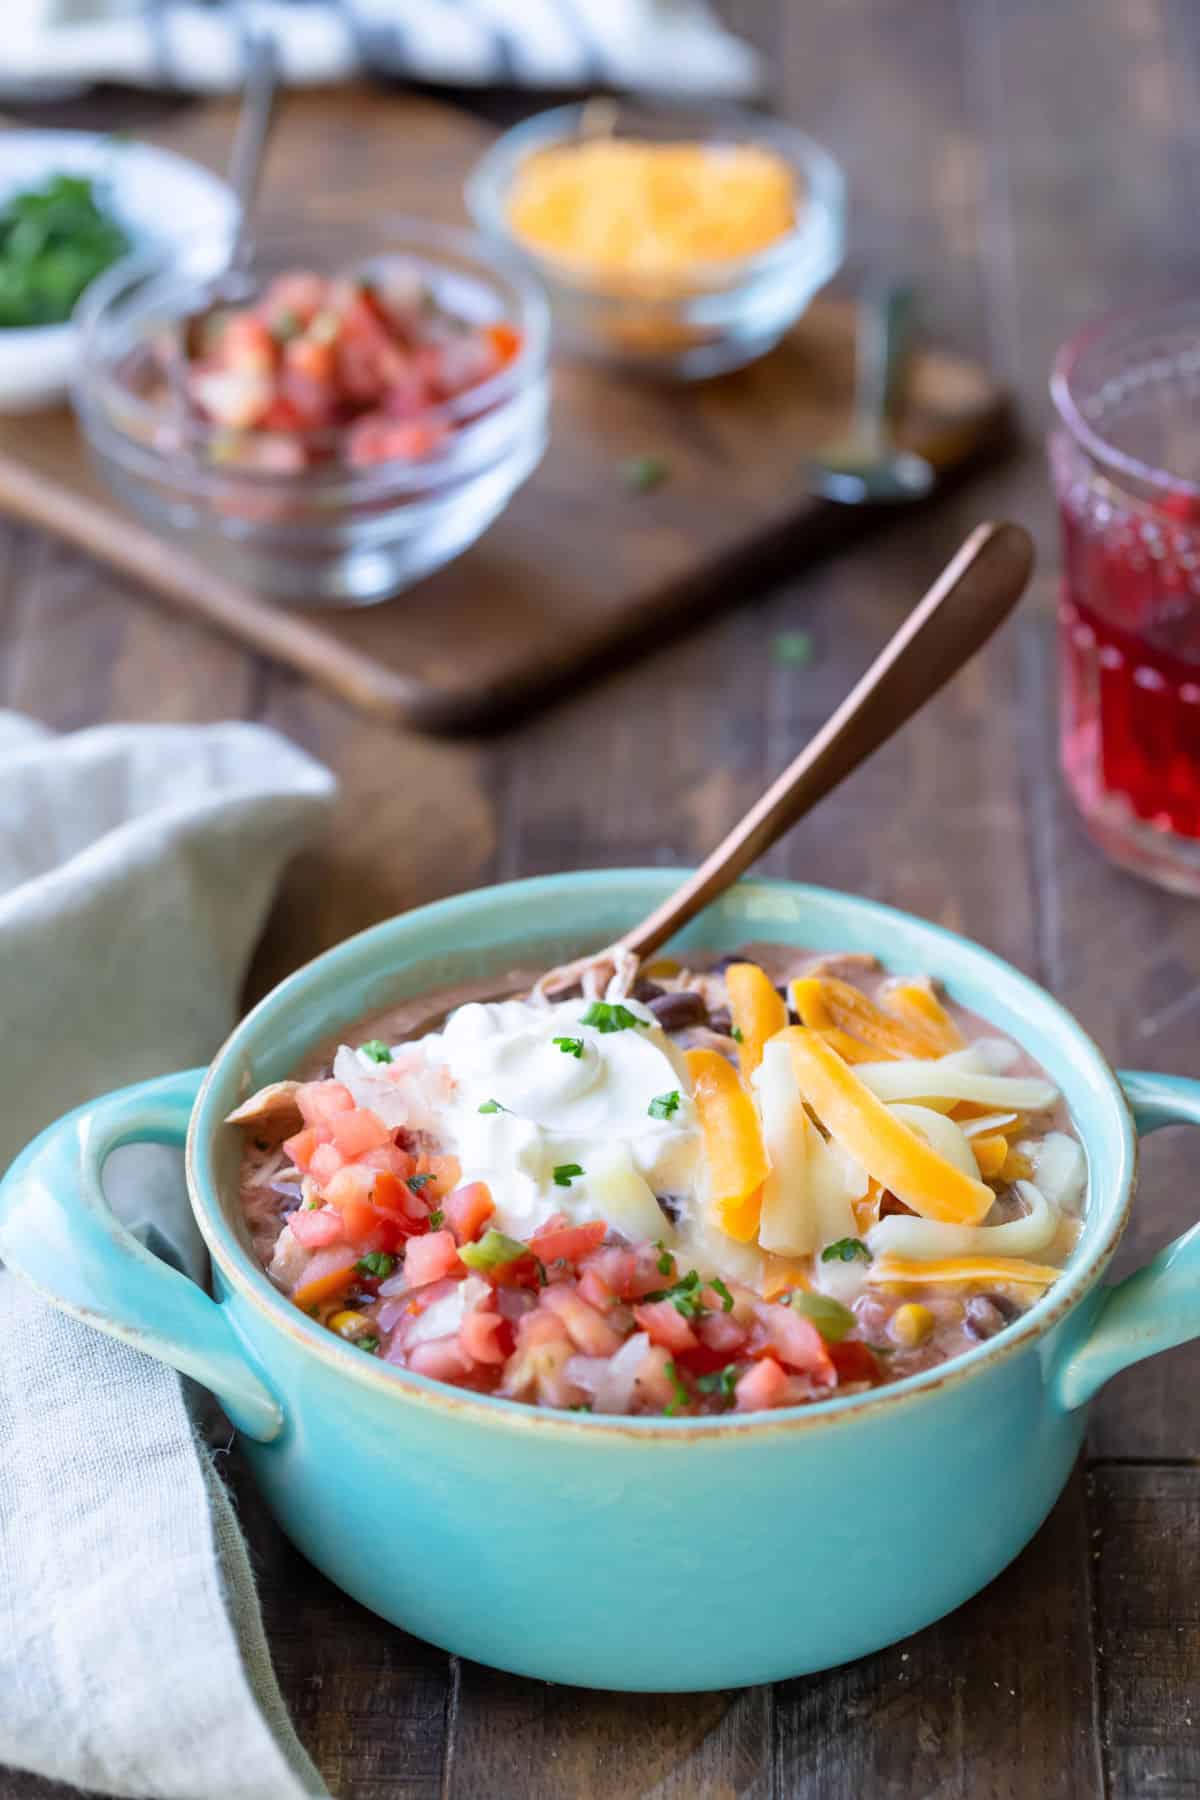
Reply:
x=743, y=1183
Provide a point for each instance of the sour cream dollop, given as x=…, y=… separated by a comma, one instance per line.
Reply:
x=525, y=1094
x=571, y=1095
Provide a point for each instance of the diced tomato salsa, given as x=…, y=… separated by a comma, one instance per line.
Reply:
x=381, y=1246
x=322, y=368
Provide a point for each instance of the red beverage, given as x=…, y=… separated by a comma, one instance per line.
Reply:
x=1126, y=465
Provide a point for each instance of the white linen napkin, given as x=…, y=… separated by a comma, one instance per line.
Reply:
x=137, y=864
x=666, y=46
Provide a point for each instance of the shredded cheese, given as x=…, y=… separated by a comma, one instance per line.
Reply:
x=621, y=206
x=886, y=1147
x=733, y=1143
x=903, y=1271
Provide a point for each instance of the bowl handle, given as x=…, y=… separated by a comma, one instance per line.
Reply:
x=1158, y=1305
x=57, y=1231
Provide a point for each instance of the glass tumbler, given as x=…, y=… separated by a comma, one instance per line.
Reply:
x=1125, y=459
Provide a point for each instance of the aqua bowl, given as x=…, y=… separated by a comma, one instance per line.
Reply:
x=570, y=1547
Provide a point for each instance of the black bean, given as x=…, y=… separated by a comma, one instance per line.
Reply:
x=645, y=991
x=983, y=1318
x=721, y=1021
x=1008, y=1309
x=724, y=962
x=675, y=1011
x=672, y=1205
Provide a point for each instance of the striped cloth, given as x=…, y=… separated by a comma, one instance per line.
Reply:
x=664, y=46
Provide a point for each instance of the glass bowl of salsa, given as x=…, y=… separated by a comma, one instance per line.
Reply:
x=328, y=422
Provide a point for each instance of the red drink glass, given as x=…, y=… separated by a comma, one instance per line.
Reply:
x=1125, y=457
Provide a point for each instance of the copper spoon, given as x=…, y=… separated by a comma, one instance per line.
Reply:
x=974, y=594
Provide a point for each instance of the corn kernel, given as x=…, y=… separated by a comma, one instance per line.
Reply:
x=910, y=1325
x=348, y=1324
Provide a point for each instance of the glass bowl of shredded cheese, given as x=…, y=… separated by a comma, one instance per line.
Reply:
x=671, y=241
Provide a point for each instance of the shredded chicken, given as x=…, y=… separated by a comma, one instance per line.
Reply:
x=605, y=974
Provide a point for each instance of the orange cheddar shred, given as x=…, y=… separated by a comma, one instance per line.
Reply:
x=827, y=1005
x=991, y=1153
x=757, y=1010
x=910, y=1271
x=326, y=1286
x=783, y=1273
x=733, y=1143
x=918, y=1005
x=886, y=1148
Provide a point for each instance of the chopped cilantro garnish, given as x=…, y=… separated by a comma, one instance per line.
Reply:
x=639, y=474
x=435, y=1219
x=722, y=1382
x=492, y=1251
x=663, y=1105
x=682, y=1397
x=370, y=1343
x=833, y=1320
x=378, y=1263
x=309, y=1205
x=845, y=1250
x=570, y=1046
x=582, y=1406
x=685, y=1296
x=610, y=1015
x=54, y=239
x=792, y=649
x=417, y=1182
x=718, y=1287
x=492, y=1106
x=566, y=1173
x=666, y=1263
x=377, y=1050
x=736, y=1033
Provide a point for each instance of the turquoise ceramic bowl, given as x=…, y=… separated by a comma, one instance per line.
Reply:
x=557, y=1545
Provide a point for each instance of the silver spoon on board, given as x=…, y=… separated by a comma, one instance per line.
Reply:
x=973, y=595
x=866, y=467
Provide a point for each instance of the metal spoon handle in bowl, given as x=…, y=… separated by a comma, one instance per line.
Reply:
x=255, y=120
x=972, y=596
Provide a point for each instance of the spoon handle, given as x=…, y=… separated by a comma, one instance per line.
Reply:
x=885, y=315
x=971, y=597
x=250, y=139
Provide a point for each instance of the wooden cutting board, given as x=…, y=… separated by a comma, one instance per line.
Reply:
x=578, y=571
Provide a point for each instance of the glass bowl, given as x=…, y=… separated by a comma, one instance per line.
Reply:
x=719, y=315
x=334, y=534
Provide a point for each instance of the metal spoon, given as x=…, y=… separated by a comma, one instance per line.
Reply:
x=866, y=468
x=254, y=124
x=255, y=119
x=970, y=598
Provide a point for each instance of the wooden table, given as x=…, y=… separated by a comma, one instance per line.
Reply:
x=1029, y=164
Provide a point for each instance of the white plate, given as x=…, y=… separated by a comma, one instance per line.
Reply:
x=156, y=196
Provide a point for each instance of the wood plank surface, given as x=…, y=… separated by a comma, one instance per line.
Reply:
x=1146, y=1554
x=1029, y=165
